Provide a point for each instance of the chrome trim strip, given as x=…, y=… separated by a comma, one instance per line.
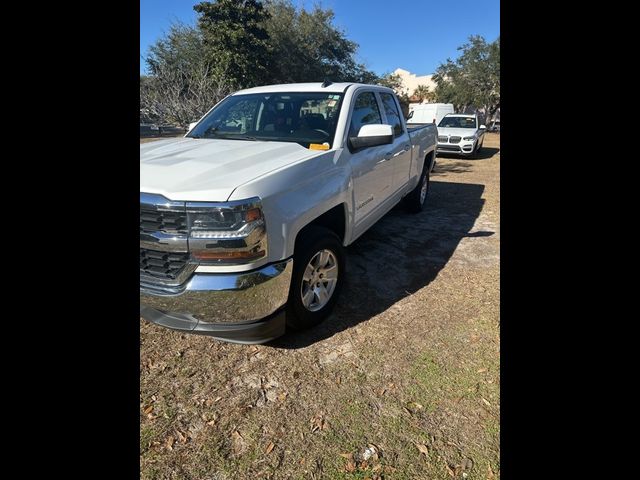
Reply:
x=195, y=206
x=160, y=202
x=164, y=242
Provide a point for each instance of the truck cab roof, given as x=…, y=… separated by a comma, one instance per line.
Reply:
x=339, y=87
x=461, y=115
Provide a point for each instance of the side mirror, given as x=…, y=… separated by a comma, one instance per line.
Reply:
x=483, y=127
x=372, y=135
x=410, y=115
x=191, y=125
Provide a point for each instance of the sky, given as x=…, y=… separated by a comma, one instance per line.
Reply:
x=414, y=35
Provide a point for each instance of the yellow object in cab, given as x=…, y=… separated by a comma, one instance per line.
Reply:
x=319, y=146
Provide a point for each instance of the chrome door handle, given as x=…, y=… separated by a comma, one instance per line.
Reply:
x=387, y=157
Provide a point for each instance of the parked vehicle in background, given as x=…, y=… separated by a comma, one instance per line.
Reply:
x=243, y=221
x=149, y=129
x=155, y=130
x=494, y=127
x=428, y=112
x=461, y=133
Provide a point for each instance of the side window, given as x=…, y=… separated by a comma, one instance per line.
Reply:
x=365, y=112
x=393, y=116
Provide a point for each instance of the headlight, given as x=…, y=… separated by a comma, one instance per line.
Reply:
x=227, y=233
x=469, y=138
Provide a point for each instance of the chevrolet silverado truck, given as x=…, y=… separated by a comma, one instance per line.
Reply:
x=244, y=220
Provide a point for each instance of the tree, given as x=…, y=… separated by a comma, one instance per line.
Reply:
x=182, y=84
x=235, y=40
x=473, y=79
x=423, y=92
x=240, y=44
x=307, y=47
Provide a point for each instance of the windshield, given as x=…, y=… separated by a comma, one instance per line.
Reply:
x=458, y=122
x=304, y=118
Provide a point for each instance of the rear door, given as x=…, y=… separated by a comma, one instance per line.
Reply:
x=372, y=172
x=399, y=152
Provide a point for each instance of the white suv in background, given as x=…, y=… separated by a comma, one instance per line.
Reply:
x=460, y=133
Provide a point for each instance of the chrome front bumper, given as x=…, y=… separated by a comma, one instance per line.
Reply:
x=238, y=307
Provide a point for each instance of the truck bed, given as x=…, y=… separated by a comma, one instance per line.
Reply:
x=412, y=127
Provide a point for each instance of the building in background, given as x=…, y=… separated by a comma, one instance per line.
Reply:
x=411, y=81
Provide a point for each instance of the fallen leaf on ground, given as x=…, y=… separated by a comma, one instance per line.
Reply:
x=319, y=423
x=237, y=442
x=181, y=436
x=482, y=370
x=486, y=402
x=170, y=442
x=423, y=448
x=350, y=466
x=148, y=410
x=348, y=456
x=267, y=450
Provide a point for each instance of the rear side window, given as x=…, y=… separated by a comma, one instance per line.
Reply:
x=393, y=116
x=365, y=112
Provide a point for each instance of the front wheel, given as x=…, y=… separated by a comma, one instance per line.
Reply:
x=318, y=274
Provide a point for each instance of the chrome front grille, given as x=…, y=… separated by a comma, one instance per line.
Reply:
x=165, y=265
x=442, y=139
x=455, y=139
x=154, y=219
x=164, y=251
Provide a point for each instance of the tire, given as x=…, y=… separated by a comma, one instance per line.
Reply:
x=315, y=242
x=415, y=201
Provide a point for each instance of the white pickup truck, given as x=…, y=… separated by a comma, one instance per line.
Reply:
x=243, y=221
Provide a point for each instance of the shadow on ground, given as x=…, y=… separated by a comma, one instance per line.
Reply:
x=484, y=154
x=399, y=255
x=443, y=168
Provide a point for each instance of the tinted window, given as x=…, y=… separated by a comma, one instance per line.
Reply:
x=365, y=112
x=393, y=116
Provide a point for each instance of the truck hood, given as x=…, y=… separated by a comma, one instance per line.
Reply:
x=190, y=169
x=456, y=132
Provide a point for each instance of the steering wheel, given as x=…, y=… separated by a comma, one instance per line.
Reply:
x=321, y=131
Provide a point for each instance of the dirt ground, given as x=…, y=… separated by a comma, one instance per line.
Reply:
x=401, y=382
